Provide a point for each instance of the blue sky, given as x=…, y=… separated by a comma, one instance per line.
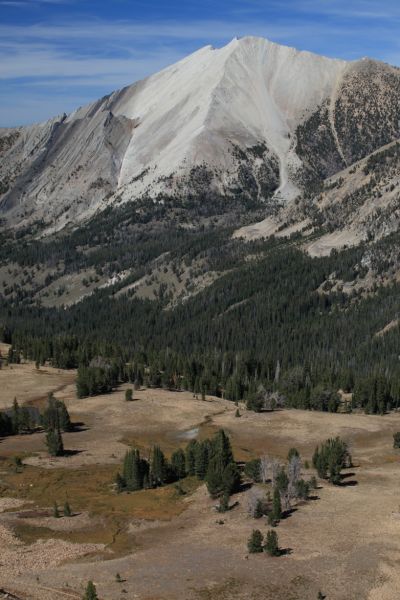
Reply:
x=56, y=55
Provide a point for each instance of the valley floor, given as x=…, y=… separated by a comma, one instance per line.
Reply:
x=345, y=542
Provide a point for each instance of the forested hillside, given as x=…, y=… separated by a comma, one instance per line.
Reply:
x=274, y=323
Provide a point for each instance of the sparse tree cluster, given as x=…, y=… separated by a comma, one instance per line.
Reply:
x=258, y=544
x=209, y=460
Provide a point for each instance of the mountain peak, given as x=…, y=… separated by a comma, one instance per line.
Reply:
x=252, y=117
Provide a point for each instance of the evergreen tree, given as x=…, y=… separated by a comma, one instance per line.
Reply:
x=214, y=478
x=253, y=469
x=330, y=459
x=67, y=509
x=259, y=510
x=134, y=470
x=302, y=489
x=128, y=395
x=255, y=542
x=271, y=543
x=158, y=468
x=16, y=417
x=6, y=425
x=54, y=442
x=281, y=480
x=276, y=513
x=56, y=415
x=18, y=464
x=120, y=482
x=230, y=479
x=222, y=449
x=201, y=457
x=56, y=512
x=190, y=456
x=223, y=503
x=64, y=418
x=90, y=593
x=178, y=464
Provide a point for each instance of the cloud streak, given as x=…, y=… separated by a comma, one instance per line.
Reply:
x=86, y=57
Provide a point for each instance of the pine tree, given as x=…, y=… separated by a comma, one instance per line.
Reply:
x=91, y=593
x=214, y=478
x=67, y=509
x=224, y=503
x=230, y=478
x=158, y=468
x=255, y=542
x=201, y=459
x=178, y=464
x=222, y=449
x=56, y=415
x=16, y=417
x=134, y=470
x=281, y=480
x=276, y=506
x=128, y=395
x=64, y=418
x=120, y=482
x=259, y=510
x=190, y=457
x=271, y=543
x=54, y=442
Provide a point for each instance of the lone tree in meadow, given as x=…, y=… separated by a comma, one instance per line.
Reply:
x=128, y=395
x=91, y=593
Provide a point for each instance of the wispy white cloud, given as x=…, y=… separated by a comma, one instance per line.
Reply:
x=88, y=57
x=343, y=9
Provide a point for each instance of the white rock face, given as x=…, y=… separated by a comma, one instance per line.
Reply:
x=251, y=90
x=147, y=138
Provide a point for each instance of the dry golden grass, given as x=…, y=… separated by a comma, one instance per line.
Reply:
x=346, y=543
x=28, y=384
